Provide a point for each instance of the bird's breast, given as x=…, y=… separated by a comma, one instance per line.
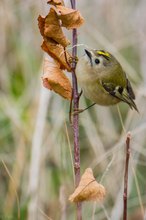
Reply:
x=96, y=94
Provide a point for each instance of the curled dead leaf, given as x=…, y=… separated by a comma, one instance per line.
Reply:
x=54, y=79
x=57, y=52
x=41, y=24
x=55, y=2
x=70, y=18
x=55, y=41
x=88, y=189
x=52, y=29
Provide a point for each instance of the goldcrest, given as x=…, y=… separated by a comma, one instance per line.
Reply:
x=103, y=80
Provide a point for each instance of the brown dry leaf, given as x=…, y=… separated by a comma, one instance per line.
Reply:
x=52, y=29
x=57, y=52
x=88, y=189
x=41, y=24
x=54, y=79
x=70, y=18
x=55, y=2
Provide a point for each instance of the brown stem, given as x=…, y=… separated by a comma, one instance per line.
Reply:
x=126, y=176
x=76, y=116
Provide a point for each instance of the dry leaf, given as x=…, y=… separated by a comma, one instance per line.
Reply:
x=41, y=24
x=52, y=29
x=70, y=18
x=57, y=52
x=89, y=189
x=54, y=79
x=55, y=41
x=55, y=2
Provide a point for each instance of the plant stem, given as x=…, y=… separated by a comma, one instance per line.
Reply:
x=126, y=176
x=75, y=116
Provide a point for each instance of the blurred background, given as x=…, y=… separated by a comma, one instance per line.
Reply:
x=36, y=173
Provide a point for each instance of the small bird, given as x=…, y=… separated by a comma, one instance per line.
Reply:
x=103, y=80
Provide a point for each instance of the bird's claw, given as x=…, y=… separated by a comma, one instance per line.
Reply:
x=77, y=111
x=73, y=59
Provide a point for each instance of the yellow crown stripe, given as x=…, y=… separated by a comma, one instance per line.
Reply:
x=103, y=53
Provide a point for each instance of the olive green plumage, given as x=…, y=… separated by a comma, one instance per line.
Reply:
x=103, y=80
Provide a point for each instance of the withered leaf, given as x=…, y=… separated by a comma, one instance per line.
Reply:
x=70, y=18
x=41, y=24
x=52, y=29
x=57, y=52
x=54, y=79
x=55, y=2
x=88, y=189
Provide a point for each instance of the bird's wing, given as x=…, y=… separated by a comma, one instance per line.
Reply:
x=130, y=90
x=124, y=94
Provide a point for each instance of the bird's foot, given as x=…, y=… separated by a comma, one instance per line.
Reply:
x=77, y=111
x=73, y=59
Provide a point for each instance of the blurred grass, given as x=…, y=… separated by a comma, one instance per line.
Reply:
x=118, y=26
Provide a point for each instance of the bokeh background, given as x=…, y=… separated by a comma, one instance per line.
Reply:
x=36, y=173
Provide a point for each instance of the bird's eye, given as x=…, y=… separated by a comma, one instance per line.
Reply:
x=97, y=61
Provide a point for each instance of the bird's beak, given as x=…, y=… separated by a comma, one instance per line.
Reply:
x=89, y=55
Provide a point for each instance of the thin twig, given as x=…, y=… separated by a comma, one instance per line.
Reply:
x=65, y=55
x=107, y=168
x=138, y=189
x=76, y=116
x=44, y=214
x=14, y=188
x=70, y=151
x=121, y=120
x=70, y=108
x=126, y=176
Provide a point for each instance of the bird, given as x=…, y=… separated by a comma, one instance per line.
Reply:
x=103, y=80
